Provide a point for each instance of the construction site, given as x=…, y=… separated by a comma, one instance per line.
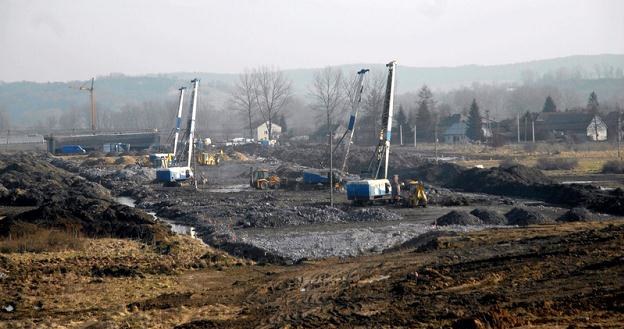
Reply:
x=304, y=235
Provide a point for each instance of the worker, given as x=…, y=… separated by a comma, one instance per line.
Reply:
x=396, y=188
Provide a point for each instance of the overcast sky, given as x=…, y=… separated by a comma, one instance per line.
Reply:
x=58, y=40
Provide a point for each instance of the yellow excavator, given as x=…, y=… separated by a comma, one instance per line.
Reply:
x=415, y=196
x=261, y=179
x=209, y=159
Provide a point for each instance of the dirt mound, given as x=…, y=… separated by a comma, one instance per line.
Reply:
x=239, y=156
x=578, y=214
x=444, y=173
x=88, y=217
x=456, y=217
x=31, y=181
x=289, y=171
x=491, y=217
x=68, y=203
x=94, y=162
x=524, y=217
x=423, y=242
x=125, y=160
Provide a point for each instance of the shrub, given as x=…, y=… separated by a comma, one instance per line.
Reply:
x=613, y=167
x=556, y=163
x=507, y=163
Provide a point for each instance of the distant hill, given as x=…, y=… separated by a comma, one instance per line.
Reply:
x=28, y=101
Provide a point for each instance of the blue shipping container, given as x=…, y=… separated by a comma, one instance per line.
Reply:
x=72, y=149
x=368, y=189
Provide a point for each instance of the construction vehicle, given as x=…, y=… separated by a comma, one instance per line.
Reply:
x=415, y=195
x=262, y=179
x=181, y=171
x=165, y=160
x=209, y=159
x=378, y=186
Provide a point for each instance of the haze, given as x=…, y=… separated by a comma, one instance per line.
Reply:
x=67, y=40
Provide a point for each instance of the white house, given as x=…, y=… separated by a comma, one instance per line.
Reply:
x=261, y=133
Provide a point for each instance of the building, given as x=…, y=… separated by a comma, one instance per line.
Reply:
x=261, y=133
x=456, y=133
x=577, y=126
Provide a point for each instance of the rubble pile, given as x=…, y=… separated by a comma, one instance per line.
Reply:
x=457, y=217
x=577, y=214
x=524, y=217
x=491, y=217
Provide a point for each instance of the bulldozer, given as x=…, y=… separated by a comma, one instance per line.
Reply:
x=415, y=195
x=261, y=179
x=209, y=159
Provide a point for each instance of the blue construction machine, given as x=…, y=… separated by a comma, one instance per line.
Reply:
x=179, y=169
x=377, y=187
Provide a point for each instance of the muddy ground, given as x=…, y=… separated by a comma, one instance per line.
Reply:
x=509, y=253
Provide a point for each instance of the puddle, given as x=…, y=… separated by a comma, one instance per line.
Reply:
x=126, y=201
x=588, y=182
x=175, y=228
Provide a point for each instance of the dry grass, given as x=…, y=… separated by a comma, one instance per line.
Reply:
x=551, y=163
x=29, y=238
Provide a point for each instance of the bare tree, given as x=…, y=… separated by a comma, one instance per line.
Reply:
x=243, y=97
x=373, y=101
x=326, y=92
x=273, y=91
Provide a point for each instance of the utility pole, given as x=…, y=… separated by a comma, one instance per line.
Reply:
x=331, y=168
x=435, y=136
x=533, y=130
x=414, y=136
x=619, y=131
x=487, y=122
x=518, y=125
x=401, y=134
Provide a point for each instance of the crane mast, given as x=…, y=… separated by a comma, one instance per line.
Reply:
x=352, y=119
x=192, y=120
x=382, y=152
x=178, y=121
x=91, y=91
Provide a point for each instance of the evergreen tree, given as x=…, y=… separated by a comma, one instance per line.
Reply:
x=592, y=103
x=424, y=118
x=401, y=117
x=402, y=120
x=424, y=123
x=474, y=130
x=549, y=105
